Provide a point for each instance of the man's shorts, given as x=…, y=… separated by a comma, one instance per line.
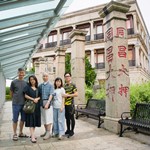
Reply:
x=18, y=109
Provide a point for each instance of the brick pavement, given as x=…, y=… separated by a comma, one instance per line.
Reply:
x=87, y=137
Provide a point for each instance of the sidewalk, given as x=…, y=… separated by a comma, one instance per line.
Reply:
x=87, y=137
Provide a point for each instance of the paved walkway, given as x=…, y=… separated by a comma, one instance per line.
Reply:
x=87, y=137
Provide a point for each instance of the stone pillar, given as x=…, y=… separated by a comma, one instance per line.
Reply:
x=58, y=37
x=92, y=29
x=137, y=55
x=135, y=23
x=2, y=88
x=92, y=58
x=116, y=63
x=60, y=62
x=44, y=65
x=78, y=62
x=49, y=68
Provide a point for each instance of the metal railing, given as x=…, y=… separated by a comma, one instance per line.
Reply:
x=65, y=42
x=131, y=62
x=99, y=36
x=88, y=38
x=130, y=31
x=100, y=65
x=41, y=46
x=51, y=44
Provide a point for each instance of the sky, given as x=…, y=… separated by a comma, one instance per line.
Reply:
x=143, y=4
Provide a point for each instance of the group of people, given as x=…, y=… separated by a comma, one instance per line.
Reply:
x=53, y=103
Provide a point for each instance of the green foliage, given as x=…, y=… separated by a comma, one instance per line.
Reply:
x=67, y=63
x=90, y=74
x=88, y=92
x=7, y=90
x=100, y=94
x=8, y=97
x=139, y=93
x=32, y=70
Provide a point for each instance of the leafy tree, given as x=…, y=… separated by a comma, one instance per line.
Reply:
x=67, y=63
x=90, y=74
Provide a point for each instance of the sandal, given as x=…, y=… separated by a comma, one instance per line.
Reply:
x=33, y=141
x=21, y=135
x=30, y=137
x=15, y=137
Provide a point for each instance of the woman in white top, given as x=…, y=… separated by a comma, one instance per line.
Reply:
x=58, y=109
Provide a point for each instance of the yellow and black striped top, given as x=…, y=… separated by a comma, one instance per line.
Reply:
x=70, y=89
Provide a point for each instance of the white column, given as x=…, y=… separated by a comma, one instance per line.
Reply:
x=92, y=58
x=74, y=26
x=58, y=37
x=135, y=22
x=137, y=56
x=92, y=30
x=142, y=59
x=146, y=64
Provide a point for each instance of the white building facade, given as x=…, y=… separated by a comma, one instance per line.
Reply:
x=89, y=20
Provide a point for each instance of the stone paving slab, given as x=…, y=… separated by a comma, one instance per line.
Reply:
x=87, y=137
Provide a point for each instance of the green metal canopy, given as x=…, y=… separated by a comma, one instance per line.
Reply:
x=23, y=24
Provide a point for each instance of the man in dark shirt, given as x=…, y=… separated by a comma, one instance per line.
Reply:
x=16, y=92
x=71, y=92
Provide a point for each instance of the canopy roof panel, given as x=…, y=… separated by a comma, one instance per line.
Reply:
x=23, y=24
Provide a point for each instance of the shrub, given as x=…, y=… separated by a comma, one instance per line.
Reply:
x=7, y=90
x=100, y=94
x=139, y=93
x=88, y=93
x=8, y=97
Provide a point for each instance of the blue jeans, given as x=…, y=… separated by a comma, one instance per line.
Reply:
x=16, y=110
x=59, y=121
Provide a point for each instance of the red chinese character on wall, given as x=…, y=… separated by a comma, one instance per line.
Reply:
x=109, y=54
x=123, y=70
x=122, y=51
x=123, y=90
x=121, y=32
x=109, y=34
x=110, y=73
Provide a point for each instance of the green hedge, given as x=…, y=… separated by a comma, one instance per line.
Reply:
x=88, y=93
x=100, y=94
x=8, y=97
x=138, y=93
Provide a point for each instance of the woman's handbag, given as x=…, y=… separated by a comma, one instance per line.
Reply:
x=29, y=105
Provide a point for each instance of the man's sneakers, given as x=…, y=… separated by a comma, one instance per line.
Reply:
x=60, y=137
x=67, y=132
x=71, y=133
